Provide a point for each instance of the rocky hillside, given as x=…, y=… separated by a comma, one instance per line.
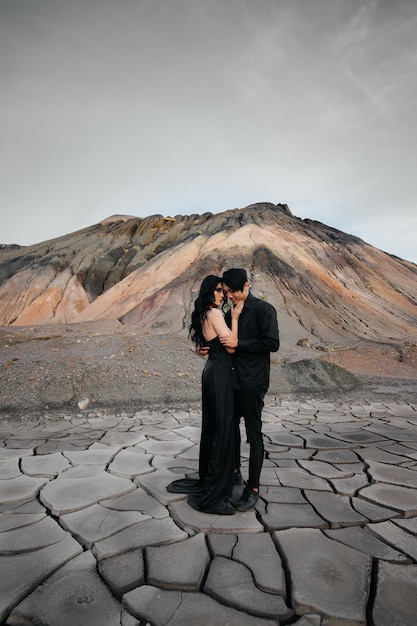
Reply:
x=326, y=285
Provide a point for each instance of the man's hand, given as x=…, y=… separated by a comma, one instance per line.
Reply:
x=228, y=341
x=203, y=351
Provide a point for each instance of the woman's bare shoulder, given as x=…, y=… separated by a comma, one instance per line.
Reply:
x=215, y=314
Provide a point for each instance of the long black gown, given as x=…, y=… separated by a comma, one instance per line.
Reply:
x=212, y=490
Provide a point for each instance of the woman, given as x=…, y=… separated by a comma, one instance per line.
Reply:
x=211, y=492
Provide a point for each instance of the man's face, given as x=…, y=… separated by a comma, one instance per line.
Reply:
x=236, y=296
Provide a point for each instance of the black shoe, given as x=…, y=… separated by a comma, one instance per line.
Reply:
x=226, y=509
x=247, y=500
x=238, y=479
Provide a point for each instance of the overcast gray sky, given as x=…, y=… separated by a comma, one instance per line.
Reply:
x=185, y=106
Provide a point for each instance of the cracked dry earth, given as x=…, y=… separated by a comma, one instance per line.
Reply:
x=90, y=536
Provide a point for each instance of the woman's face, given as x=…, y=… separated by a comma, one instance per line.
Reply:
x=218, y=295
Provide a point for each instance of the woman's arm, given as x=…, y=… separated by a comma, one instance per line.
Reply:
x=216, y=323
x=230, y=340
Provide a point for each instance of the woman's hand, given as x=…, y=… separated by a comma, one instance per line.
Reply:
x=237, y=310
x=230, y=341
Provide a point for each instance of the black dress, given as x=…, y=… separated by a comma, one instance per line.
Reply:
x=212, y=490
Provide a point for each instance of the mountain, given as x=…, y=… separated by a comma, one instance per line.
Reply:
x=327, y=286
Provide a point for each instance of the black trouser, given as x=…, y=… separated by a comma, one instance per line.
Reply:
x=249, y=404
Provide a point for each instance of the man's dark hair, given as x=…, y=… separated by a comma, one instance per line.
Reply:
x=235, y=279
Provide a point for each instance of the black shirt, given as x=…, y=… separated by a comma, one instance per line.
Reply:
x=258, y=336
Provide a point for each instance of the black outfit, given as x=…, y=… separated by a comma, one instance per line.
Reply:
x=212, y=490
x=258, y=336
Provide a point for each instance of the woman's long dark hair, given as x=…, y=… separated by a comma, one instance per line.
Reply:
x=201, y=307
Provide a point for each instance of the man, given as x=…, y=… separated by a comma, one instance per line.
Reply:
x=258, y=336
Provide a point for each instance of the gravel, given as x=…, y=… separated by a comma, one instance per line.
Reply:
x=104, y=364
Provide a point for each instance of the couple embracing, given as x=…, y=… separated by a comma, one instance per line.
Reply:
x=235, y=380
